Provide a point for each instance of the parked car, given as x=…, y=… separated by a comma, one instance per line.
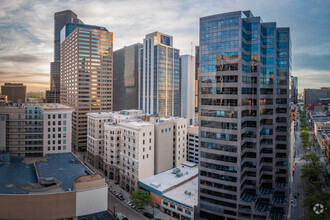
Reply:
x=148, y=215
x=133, y=206
x=128, y=202
x=138, y=209
x=120, y=216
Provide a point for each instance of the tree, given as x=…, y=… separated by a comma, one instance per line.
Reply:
x=140, y=198
x=312, y=169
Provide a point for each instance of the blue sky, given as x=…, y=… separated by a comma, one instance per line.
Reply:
x=27, y=29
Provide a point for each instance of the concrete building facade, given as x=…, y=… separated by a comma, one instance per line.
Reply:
x=192, y=144
x=188, y=88
x=124, y=143
x=86, y=75
x=35, y=130
x=312, y=96
x=15, y=92
x=244, y=117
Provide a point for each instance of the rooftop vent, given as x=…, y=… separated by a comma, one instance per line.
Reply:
x=157, y=185
x=176, y=170
x=179, y=174
x=187, y=193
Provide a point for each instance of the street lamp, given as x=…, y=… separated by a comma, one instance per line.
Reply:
x=114, y=210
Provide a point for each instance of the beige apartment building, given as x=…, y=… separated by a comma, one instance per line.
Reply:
x=86, y=75
x=115, y=145
x=179, y=139
x=137, y=153
x=164, y=145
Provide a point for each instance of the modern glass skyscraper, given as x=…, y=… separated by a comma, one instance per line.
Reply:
x=126, y=77
x=86, y=75
x=244, y=117
x=160, y=76
x=60, y=20
x=294, y=89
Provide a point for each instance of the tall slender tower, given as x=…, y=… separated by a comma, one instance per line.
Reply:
x=160, y=76
x=60, y=20
x=86, y=75
x=244, y=117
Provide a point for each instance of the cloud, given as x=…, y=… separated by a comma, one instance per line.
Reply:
x=27, y=29
x=20, y=58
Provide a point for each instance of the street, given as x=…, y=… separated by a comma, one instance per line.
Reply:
x=123, y=208
x=297, y=209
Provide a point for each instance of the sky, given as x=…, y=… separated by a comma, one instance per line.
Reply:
x=27, y=31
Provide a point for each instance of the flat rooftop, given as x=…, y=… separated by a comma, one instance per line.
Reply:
x=186, y=194
x=167, y=179
x=20, y=177
x=52, y=106
x=193, y=130
x=136, y=124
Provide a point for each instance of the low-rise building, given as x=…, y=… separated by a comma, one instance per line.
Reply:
x=192, y=144
x=174, y=191
x=31, y=130
x=57, y=186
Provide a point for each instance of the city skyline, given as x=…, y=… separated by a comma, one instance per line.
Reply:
x=27, y=32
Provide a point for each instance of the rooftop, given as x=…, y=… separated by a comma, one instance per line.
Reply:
x=186, y=194
x=53, y=106
x=169, y=178
x=58, y=171
x=136, y=124
x=193, y=130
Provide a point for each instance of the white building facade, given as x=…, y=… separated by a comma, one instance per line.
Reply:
x=192, y=144
x=188, y=88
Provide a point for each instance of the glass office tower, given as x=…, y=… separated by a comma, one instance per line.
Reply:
x=86, y=75
x=60, y=20
x=244, y=117
x=160, y=76
x=126, y=77
x=294, y=89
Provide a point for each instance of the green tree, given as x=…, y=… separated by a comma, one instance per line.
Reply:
x=312, y=169
x=140, y=198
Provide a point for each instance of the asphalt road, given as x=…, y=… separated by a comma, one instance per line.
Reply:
x=123, y=208
x=297, y=209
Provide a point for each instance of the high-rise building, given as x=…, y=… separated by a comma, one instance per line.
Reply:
x=244, y=117
x=294, y=89
x=86, y=75
x=188, y=88
x=159, y=71
x=15, y=92
x=32, y=130
x=197, y=79
x=60, y=20
x=125, y=77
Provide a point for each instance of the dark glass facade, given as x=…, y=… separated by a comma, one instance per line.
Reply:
x=125, y=77
x=244, y=105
